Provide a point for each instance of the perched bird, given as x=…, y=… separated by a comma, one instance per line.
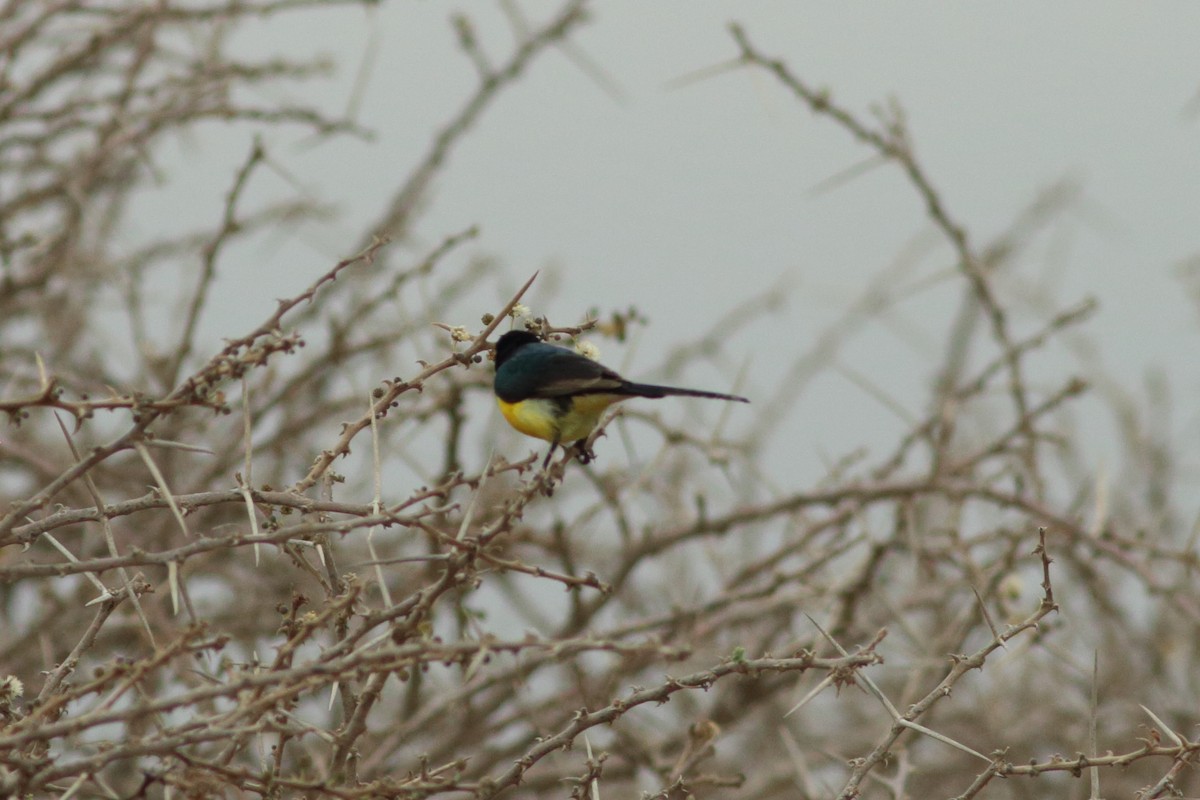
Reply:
x=552, y=393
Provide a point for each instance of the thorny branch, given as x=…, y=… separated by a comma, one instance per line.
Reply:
x=294, y=618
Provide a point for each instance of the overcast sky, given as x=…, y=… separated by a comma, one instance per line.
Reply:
x=688, y=197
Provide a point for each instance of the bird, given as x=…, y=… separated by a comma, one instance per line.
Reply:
x=556, y=394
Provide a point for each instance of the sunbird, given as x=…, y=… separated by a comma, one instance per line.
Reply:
x=556, y=394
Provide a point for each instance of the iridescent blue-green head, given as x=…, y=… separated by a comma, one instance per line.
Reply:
x=509, y=343
x=525, y=364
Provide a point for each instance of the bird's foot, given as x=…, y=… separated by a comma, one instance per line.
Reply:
x=583, y=452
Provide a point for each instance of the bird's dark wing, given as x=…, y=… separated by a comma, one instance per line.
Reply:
x=538, y=370
x=562, y=373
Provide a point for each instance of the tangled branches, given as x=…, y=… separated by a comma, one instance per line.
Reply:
x=276, y=568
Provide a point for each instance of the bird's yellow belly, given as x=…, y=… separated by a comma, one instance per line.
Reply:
x=535, y=418
x=584, y=415
x=545, y=419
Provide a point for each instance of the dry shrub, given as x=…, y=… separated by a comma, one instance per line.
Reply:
x=196, y=603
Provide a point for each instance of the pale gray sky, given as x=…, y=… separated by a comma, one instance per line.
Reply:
x=687, y=200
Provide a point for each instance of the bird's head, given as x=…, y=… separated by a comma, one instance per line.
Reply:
x=510, y=343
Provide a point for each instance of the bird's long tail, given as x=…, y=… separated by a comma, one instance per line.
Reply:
x=650, y=390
